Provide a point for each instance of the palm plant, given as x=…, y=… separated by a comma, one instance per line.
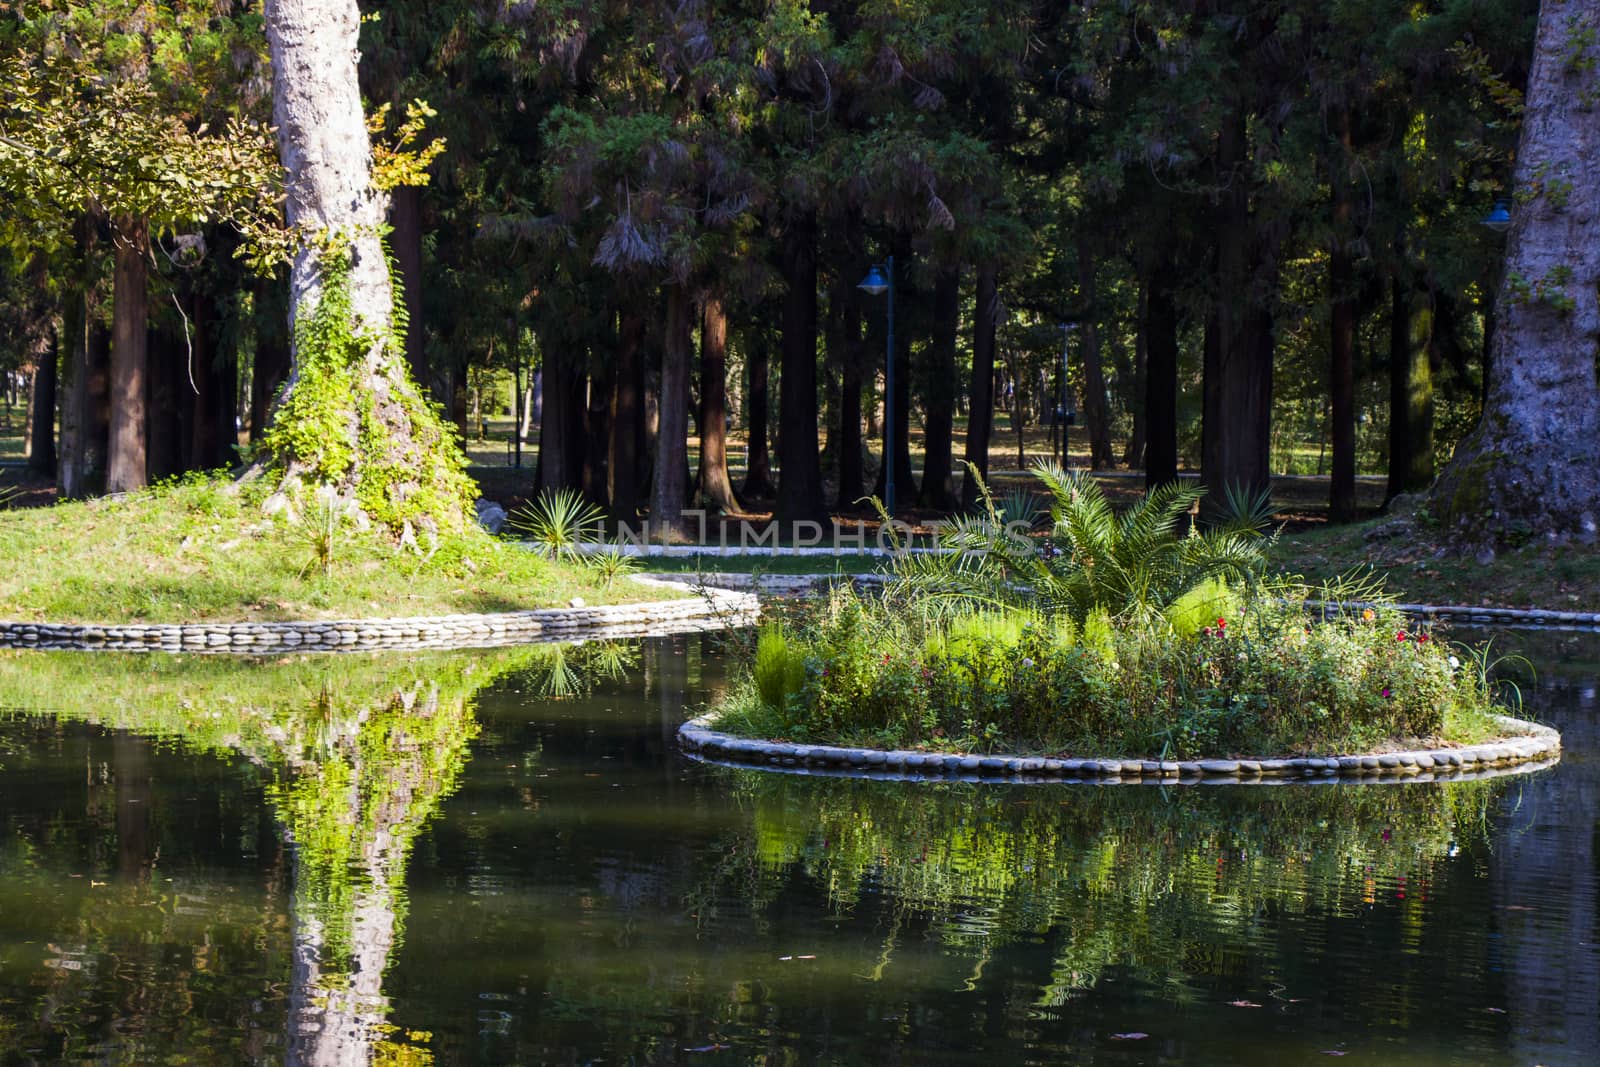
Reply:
x=557, y=523
x=1133, y=566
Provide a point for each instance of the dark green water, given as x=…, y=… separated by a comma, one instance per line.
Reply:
x=502, y=858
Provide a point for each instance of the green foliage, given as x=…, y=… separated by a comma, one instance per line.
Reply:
x=330, y=428
x=608, y=565
x=1258, y=677
x=558, y=523
x=1131, y=566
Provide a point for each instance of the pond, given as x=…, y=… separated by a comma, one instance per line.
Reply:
x=501, y=857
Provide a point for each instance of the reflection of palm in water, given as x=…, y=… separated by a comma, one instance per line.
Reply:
x=1119, y=877
x=361, y=751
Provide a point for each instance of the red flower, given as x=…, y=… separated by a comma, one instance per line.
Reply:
x=1401, y=636
x=1422, y=638
x=1222, y=624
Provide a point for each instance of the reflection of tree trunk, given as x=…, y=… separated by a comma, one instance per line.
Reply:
x=130, y=758
x=1546, y=885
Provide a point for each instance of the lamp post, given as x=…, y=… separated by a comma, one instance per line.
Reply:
x=881, y=280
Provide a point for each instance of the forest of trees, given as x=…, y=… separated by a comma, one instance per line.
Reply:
x=1259, y=220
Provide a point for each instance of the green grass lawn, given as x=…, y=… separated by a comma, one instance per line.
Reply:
x=1561, y=578
x=203, y=551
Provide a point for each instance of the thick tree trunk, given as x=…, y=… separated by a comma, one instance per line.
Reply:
x=1159, y=333
x=713, y=488
x=670, y=487
x=405, y=216
x=1095, y=414
x=799, y=466
x=1533, y=463
x=561, y=430
x=42, y=411
x=1236, y=433
x=627, y=416
x=597, y=436
x=80, y=439
x=402, y=456
x=166, y=397
x=980, y=422
x=125, y=458
x=758, y=466
x=940, y=398
x=1410, y=392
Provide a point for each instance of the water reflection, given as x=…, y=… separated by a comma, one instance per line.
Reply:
x=354, y=755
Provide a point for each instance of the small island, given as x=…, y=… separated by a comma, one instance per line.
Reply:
x=1151, y=642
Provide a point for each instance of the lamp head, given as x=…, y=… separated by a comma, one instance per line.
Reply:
x=874, y=283
x=1498, y=220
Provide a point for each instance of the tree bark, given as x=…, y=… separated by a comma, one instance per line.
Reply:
x=1133, y=454
x=1159, y=332
x=42, y=410
x=713, y=487
x=1342, y=326
x=1410, y=392
x=980, y=421
x=852, y=486
x=323, y=143
x=405, y=217
x=1236, y=431
x=125, y=456
x=627, y=415
x=940, y=397
x=758, y=465
x=1095, y=414
x=670, y=487
x=799, y=466
x=1532, y=465
x=561, y=430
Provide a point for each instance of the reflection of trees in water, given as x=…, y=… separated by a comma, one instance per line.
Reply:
x=358, y=753
x=1164, y=884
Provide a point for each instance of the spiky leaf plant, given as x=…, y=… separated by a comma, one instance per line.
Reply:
x=557, y=523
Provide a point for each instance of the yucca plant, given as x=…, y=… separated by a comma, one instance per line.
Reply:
x=557, y=523
x=609, y=564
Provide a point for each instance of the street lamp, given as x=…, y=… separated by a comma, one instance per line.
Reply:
x=1498, y=220
x=880, y=280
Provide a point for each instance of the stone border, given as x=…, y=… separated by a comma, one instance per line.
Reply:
x=711, y=609
x=1467, y=614
x=1528, y=747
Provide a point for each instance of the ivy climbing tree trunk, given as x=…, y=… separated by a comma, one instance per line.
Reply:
x=1532, y=465
x=349, y=414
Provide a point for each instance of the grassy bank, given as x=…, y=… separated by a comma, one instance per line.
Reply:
x=1559, y=578
x=203, y=551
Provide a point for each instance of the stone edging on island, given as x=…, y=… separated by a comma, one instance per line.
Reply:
x=709, y=610
x=1529, y=746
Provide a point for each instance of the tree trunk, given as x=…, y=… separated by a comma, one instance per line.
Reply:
x=78, y=435
x=627, y=414
x=1410, y=392
x=980, y=421
x=1133, y=455
x=1342, y=336
x=1159, y=333
x=714, y=489
x=125, y=457
x=1532, y=465
x=758, y=466
x=940, y=397
x=1237, y=420
x=561, y=430
x=166, y=398
x=1095, y=414
x=272, y=351
x=799, y=466
x=597, y=436
x=405, y=216
x=42, y=411
x=670, y=487
x=397, y=452
x=852, y=486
